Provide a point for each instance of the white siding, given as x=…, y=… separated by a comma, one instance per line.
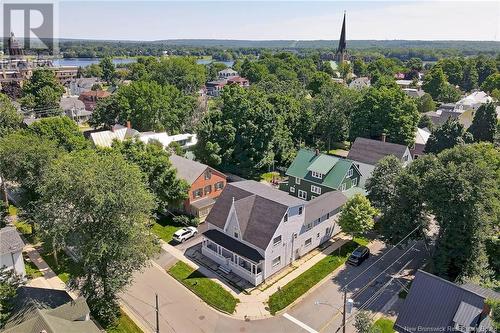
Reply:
x=15, y=261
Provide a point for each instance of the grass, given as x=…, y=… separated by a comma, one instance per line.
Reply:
x=305, y=281
x=31, y=270
x=12, y=211
x=26, y=230
x=385, y=325
x=361, y=240
x=209, y=291
x=124, y=325
x=268, y=176
x=165, y=228
x=66, y=269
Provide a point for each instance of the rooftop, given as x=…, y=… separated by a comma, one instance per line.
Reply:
x=10, y=241
x=371, y=151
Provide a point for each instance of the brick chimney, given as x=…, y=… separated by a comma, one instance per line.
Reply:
x=129, y=126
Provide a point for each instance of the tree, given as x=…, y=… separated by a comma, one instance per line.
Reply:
x=182, y=72
x=359, y=67
x=448, y=135
x=93, y=70
x=254, y=71
x=425, y=103
x=154, y=162
x=344, y=69
x=213, y=70
x=10, y=119
x=484, y=124
x=357, y=215
x=61, y=130
x=43, y=93
x=318, y=81
x=415, y=64
x=24, y=158
x=102, y=204
x=494, y=305
x=363, y=323
x=449, y=94
x=434, y=82
x=470, y=78
x=385, y=110
x=108, y=69
x=453, y=69
x=12, y=89
x=381, y=185
x=485, y=67
x=426, y=122
x=9, y=282
x=491, y=83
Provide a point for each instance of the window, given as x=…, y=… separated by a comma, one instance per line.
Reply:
x=277, y=240
x=197, y=193
x=285, y=218
x=309, y=226
x=354, y=182
x=317, y=235
x=317, y=175
x=276, y=261
x=297, y=181
x=308, y=242
x=349, y=172
x=208, y=189
x=344, y=187
x=208, y=174
x=292, y=189
x=236, y=235
x=327, y=216
x=300, y=210
x=315, y=189
x=302, y=194
x=405, y=158
x=219, y=186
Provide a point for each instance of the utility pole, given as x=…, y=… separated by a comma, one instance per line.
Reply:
x=343, y=312
x=157, y=316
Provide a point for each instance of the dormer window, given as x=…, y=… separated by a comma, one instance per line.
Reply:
x=349, y=172
x=317, y=175
x=208, y=174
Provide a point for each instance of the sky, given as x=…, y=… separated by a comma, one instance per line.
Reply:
x=286, y=20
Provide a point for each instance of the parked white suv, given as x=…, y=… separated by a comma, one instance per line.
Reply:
x=185, y=233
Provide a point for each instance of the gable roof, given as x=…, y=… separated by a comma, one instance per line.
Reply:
x=434, y=303
x=119, y=132
x=371, y=151
x=49, y=310
x=326, y=203
x=333, y=168
x=187, y=169
x=259, y=209
x=422, y=135
x=10, y=241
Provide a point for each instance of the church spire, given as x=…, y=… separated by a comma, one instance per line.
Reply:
x=341, y=54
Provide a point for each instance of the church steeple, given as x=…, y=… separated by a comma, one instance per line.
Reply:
x=341, y=54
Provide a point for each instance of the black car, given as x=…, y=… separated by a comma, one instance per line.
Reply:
x=359, y=255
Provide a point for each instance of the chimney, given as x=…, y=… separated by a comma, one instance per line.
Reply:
x=383, y=137
x=317, y=152
x=129, y=126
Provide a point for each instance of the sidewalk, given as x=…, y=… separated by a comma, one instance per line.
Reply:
x=253, y=306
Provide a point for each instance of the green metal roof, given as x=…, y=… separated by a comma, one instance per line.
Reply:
x=323, y=164
x=302, y=164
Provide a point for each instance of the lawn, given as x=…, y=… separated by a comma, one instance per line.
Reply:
x=268, y=176
x=385, y=325
x=361, y=240
x=31, y=270
x=208, y=290
x=67, y=267
x=165, y=228
x=305, y=281
x=125, y=325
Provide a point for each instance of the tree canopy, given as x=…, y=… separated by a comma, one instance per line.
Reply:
x=448, y=135
x=10, y=119
x=62, y=130
x=357, y=216
x=42, y=93
x=484, y=125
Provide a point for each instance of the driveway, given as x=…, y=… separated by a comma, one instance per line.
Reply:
x=182, y=311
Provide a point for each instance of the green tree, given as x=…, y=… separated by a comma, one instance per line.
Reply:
x=359, y=67
x=491, y=83
x=363, y=323
x=484, y=124
x=434, y=82
x=318, y=81
x=448, y=135
x=470, y=78
x=108, y=69
x=43, y=93
x=213, y=70
x=453, y=68
x=61, y=130
x=485, y=67
x=182, y=72
x=415, y=64
x=426, y=103
x=105, y=207
x=94, y=70
x=154, y=162
x=385, y=110
x=494, y=305
x=9, y=282
x=254, y=71
x=24, y=158
x=381, y=185
x=357, y=216
x=344, y=69
x=426, y=122
x=10, y=119
x=449, y=94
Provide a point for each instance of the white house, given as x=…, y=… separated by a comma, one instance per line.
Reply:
x=360, y=83
x=466, y=107
x=227, y=73
x=366, y=153
x=186, y=140
x=11, y=250
x=254, y=230
x=80, y=85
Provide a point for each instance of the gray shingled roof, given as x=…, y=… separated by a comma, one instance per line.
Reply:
x=187, y=169
x=259, y=209
x=325, y=203
x=371, y=151
x=434, y=302
x=10, y=241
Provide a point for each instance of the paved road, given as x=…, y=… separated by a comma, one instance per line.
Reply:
x=181, y=311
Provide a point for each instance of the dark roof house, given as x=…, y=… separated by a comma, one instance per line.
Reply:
x=438, y=305
x=370, y=151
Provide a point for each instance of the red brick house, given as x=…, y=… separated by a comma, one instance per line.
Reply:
x=206, y=184
x=90, y=98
